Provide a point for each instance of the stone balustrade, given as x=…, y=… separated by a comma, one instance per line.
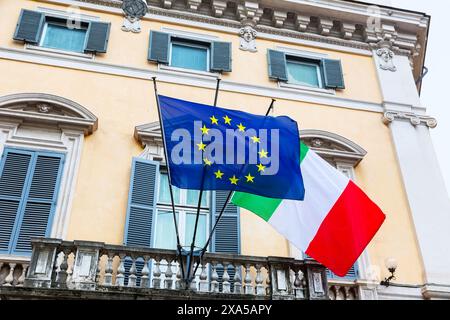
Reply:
x=13, y=271
x=343, y=291
x=96, y=267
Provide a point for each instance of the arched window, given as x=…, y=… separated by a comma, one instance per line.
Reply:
x=41, y=137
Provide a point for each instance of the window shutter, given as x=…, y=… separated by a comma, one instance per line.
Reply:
x=141, y=203
x=226, y=238
x=332, y=70
x=29, y=26
x=13, y=173
x=97, y=37
x=277, y=65
x=40, y=201
x=221, y=56
x=351, y=275
x=158, y=50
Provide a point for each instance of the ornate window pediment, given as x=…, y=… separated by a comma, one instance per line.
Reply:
x=47, y=109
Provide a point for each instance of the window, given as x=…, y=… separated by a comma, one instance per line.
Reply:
x=189, y=55
x=29, y=184
x=57, y=35
x=304, y=72
x=186, y=209
x=56, y=32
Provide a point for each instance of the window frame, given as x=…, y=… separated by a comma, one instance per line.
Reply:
x=190, y=43
x=60, y=23
x=306, y=61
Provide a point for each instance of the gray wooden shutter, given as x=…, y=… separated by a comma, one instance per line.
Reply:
x=221, y=56
x=29, y=26
x=40, y=201
x=332, y=70
x=277, y=65
x=97, y=37
x=352, y=274
x=158, y=50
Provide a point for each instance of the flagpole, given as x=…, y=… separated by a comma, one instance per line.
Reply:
x=225, y=204
x=200, y=200
x=168, y=175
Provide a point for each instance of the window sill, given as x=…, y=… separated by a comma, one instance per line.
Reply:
x=188, y=71
x=87, y=56
x=305, y=88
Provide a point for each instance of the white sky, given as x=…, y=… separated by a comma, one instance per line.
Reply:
x=435, y=84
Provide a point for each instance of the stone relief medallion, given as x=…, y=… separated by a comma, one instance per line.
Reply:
x=387, y=59
x=248, y=39
x=134, y=10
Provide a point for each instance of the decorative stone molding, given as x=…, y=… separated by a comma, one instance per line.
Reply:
x=248, y=39
x=347, y=30
x=47, y=108
x=302, y=22
x=386, y=59
x=415, y=119
x=134, y=10
x=218, y=7
x=325, y=26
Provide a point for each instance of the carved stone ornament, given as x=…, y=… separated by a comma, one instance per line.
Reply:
x=386, y=59
x=134, y=10
x=414, y=119
x=248, y=39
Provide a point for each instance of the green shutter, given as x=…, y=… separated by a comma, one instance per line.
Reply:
x=332, y=70
x=277, y=65
x=141, y=203
x=221, y=56
x=29, y=26
x=97, y=37
x=29, y=183
x=158, y=50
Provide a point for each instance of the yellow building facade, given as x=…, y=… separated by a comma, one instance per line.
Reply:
x=98, y=109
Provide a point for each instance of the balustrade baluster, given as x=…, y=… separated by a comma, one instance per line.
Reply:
x=178, y=283
x=21, y=279
x=145, y=281
x=132, y=277
x=259, y=281
x=237, y=279
x=214, y=278
x=120, y=277
x=226, y=286
x=248, y=287
x=268, y=283
x=298, y=289
x=157, y=274
x=203, y=283
x=9, y=280
x=61, y=279
x=107, y=279
x=168, y=281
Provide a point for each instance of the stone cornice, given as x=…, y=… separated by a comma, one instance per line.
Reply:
x=346, y=23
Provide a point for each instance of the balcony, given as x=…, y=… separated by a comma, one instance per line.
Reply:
x=93, y=270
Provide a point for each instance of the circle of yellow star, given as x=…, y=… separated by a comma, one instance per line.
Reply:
x=249, y=178
x=204, y=129
x=218, y=174
x=255, y=139
x=201, y=146
x=227, y=120
x=261, y=167
x=234, y=180
x=241, y=127
x=263, y=153
x=214, y=120
x=207, y=162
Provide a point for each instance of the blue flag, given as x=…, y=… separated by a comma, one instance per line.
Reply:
x=222, y=149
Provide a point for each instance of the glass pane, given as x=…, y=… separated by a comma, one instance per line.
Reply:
x=192, y=198
x=188, y=57
x=165, y=237
x=200, y=238
x=302, y=73
x=63, y=38
x=164, y=192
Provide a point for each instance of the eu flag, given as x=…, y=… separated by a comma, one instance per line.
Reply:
x=221, y=149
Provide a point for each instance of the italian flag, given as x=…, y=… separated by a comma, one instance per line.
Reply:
x=334, y=223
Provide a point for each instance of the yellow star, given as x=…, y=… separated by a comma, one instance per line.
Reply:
x=218, y=174
x=227, y=120
x=260, y=167
x=201, y=146
x=204, y=129
x=207, y=162
x=241, y=127
x=249, y=178
x=255, y=139
x=234, y=180
x=263, y=154
x=214, y=120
